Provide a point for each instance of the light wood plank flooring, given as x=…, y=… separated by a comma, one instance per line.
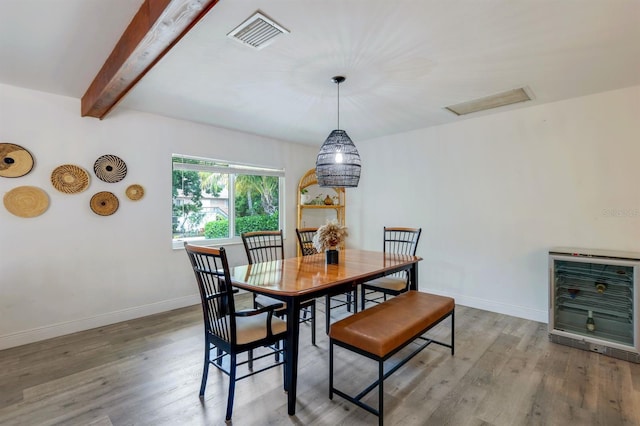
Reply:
x=147, y=372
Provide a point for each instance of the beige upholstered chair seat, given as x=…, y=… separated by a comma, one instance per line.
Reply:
x=263, y=300
x=250, y=329
x=389, y=283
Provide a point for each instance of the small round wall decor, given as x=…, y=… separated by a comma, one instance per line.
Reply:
x=134, y=192
x=104, y=203
x=15, y=161
x=70, y=179
x=110, y=168
x=26, y=201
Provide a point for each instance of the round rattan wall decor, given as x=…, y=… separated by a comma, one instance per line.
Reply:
x=70, y=179
x=110, y=168
x=26, y=201
x=104, y=203
x=134, y=192
x=15, y=161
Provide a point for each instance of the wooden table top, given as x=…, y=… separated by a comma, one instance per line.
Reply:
x=308, y=274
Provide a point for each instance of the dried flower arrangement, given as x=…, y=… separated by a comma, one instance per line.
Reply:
x=329, y=236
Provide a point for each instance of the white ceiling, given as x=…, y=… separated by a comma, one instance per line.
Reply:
x=404, y=59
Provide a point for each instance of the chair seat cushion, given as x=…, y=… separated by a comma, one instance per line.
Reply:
x=253, y=328
x=388, y=283
x=262, y=300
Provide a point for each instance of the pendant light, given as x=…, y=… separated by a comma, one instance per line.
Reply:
x=338, y=162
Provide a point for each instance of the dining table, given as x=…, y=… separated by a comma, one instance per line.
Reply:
x=298, y=279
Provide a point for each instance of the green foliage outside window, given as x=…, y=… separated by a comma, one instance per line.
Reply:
x=220, y=228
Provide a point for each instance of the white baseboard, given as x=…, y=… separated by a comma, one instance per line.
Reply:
x=54, y=330
x=498, y=307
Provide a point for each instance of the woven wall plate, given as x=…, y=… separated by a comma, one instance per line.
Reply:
x=135, y=192
x=70, y=179
x=104, y=203
x=26, y=201
x=15, y=161
x=110, y=168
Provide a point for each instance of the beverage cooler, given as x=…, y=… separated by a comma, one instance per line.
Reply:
x=593, y=301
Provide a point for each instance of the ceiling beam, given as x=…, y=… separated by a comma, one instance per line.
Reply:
x=154, y=30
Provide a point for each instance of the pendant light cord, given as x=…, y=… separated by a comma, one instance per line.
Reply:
x=338, y=105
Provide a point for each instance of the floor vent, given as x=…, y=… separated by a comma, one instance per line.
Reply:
x=258, y=31
x=493, y=101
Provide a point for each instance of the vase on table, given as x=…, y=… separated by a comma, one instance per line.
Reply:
x=332, y=256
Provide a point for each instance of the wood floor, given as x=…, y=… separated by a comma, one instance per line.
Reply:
x=147, y=372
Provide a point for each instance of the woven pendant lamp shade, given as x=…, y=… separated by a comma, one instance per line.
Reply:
x=338, y=162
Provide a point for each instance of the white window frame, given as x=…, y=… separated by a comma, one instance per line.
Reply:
x=231, y=169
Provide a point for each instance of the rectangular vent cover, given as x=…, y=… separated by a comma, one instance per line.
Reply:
x=258, y=31
x=493, y=101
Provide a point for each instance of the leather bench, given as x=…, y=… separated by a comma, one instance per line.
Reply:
x=383, y=330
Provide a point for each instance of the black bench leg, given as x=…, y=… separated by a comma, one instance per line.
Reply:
x=380, y=393
x=453, y=328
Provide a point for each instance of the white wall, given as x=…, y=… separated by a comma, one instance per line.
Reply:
x=70, y=269
x=494, y=193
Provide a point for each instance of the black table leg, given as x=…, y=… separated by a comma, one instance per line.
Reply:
x=293, y=336
x=413, y=276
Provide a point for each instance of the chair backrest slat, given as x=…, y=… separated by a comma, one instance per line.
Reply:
x=305, y=239
x=263, y=246
x=401, y=241
x=211, y=269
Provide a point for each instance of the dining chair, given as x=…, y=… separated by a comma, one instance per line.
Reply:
x=305, y=240
x=264, y=246
x=227, y=331
x=397, y=241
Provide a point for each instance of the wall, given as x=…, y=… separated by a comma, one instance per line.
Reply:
x=71, y=269
x=494, y=193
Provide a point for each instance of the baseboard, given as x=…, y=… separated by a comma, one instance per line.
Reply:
x=55, y=330
x=498, y=307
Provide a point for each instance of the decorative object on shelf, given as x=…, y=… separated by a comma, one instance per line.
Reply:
x=573, y=292
x=104, y=203
x=338, y=162
x=26, y=201
x=70, y=179
x=591, y=324
x=135, y=192
x=328, y=201
x=15, y=161
x=110, y=168
x=328, y=237
x=304, y=196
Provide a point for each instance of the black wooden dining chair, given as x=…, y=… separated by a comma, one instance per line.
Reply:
x=398, y=241
x=264, y=246
x=305, y=240
x=227, y=331
x=349, y=299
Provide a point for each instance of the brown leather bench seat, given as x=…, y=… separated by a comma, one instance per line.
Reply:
x=383, y=330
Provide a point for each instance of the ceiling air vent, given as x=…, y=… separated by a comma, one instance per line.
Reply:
x=493, y=101
x=258, y=31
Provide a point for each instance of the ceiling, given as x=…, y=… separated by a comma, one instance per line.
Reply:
x=404, y=60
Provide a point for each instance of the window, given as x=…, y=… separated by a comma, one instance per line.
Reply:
x=216, y=200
